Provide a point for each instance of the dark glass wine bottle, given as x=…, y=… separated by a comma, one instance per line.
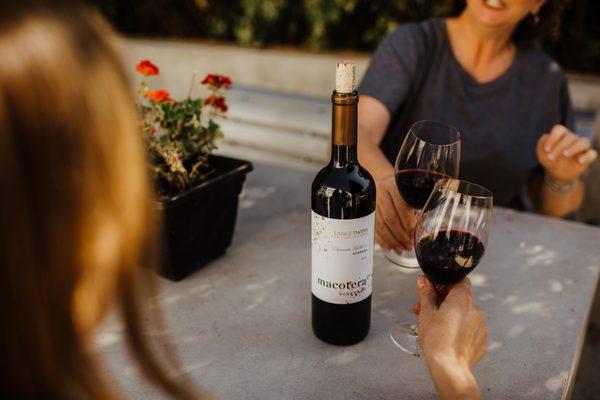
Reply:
x=343, y=216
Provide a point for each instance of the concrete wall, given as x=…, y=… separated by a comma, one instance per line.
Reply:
x=289, y=71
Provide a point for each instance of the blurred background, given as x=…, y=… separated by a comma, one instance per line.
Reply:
x=328, y=24
x=281, y=53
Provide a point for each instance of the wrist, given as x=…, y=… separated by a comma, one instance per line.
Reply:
x=561, y=181
x=381, y=170
x=560, y=184
x=452, y=377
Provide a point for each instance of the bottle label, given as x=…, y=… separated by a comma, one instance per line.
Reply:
x=342, y=258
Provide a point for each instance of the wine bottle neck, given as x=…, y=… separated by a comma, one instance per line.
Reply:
x=343, y=155
x=344, y=128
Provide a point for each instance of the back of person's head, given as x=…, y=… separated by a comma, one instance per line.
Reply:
x=76, y=207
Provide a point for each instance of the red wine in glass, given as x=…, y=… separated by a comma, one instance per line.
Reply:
x=415, y=185
x=446, y=257
x=430, y=151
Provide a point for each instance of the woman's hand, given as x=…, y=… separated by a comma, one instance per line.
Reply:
x=453, y=338
x=395, y=220
x=564, y=155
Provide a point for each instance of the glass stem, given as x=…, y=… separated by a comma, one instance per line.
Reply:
x=441, y=291
x=414, y=331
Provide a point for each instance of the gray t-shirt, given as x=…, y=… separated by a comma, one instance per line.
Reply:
x=415, y=75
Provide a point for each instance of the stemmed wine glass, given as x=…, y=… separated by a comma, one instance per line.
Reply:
x=451, y=236
x=430, y=151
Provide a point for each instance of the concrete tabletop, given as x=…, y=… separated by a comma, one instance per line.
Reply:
x=241, y=325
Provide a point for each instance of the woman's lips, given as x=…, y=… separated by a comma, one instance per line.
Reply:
x=495, y=4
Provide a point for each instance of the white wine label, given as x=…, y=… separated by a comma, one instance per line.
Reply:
x=342, y=258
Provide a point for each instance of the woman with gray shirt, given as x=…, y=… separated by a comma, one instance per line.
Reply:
x=478, y=72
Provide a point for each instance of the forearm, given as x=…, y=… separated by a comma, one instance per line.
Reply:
x=373, y=120
x=371, y=157
x=557, y=204
x=452, y=380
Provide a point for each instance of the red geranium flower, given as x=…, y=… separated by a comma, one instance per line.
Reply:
x=217, y=81
x=210, y=79
x=158, y=96
x=217, y=102
x=225, y=81
x=147, y=68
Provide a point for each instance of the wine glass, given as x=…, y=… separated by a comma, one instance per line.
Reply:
x=451, y=236
x=430, y=151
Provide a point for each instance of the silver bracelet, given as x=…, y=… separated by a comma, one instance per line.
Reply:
x=559, y=187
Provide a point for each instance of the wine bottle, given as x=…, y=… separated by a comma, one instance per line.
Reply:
x=343, y=218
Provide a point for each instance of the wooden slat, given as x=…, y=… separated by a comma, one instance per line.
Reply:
x=281, y=113
x=301, y=146
x=267, y=157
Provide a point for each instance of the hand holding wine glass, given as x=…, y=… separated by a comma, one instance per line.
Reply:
x=453, y=338
x=395, y=220
x=453, y=330
x=451, y=237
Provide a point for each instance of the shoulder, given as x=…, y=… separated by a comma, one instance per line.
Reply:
x=544, y=79
x=416, y=35
x=541, y=67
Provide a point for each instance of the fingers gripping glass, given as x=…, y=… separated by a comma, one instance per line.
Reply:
x=430, y=151
x=451, y=236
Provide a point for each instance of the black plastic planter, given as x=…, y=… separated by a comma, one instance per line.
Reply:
x=199, y=223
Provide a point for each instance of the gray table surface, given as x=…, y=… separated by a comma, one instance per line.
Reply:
x=241, y=325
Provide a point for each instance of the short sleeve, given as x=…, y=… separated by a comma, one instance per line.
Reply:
x=392, y=68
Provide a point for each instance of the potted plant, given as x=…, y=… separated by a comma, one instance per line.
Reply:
x=197, y=191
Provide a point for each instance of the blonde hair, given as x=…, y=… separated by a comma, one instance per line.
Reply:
x=76, y=205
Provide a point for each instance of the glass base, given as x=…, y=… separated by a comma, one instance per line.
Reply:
x=406, y=259
x=406, y=337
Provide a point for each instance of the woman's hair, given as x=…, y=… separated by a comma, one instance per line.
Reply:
x=528, y=31
x=76, y=205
